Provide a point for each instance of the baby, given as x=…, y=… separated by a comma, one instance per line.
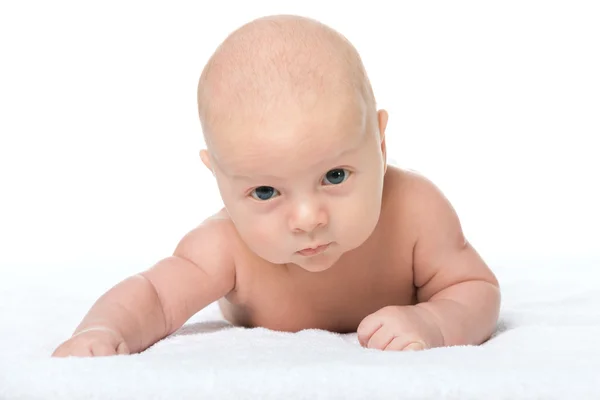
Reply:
x=317, y=232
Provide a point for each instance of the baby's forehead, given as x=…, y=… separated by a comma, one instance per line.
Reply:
x=286, y=148
x=332, y=119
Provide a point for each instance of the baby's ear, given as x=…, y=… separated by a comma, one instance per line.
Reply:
x=382, y=120
x=206, y=160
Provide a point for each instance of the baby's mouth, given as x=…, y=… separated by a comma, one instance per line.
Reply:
x=311, y=251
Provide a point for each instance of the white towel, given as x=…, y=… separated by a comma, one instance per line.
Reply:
x=547, y=346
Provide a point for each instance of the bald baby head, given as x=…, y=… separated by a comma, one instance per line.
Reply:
x=279, y=66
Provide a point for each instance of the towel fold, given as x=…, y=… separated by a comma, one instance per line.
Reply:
x=546, y=346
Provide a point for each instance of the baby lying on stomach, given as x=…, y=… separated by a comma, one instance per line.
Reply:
x=317, y=230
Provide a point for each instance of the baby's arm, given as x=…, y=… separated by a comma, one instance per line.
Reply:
x=453, y=282
x=458, y=296
x=149, y=306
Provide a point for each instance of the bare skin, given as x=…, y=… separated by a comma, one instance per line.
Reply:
x=307, y=170
x=363, y=280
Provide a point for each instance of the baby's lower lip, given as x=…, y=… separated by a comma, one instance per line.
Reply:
x=312, y=252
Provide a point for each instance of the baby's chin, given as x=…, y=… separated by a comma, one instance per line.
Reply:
x=317, y=263
x=315, y=267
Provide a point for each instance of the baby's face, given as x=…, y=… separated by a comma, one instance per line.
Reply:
x=299, y=182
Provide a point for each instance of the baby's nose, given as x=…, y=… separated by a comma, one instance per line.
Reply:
x=307, y=217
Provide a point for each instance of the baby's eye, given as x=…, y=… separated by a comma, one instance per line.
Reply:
x=264, y=193
x=336, y=176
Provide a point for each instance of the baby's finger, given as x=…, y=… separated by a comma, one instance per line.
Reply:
x=81, y=351
x=60, y=352
x=380, y=339
x=366, y=329
x=414, y=346
x=103, y=349
x=123, y=348
x=404, y=344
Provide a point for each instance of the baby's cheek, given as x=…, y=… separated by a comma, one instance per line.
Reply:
x=359, y=217
x=262, y=237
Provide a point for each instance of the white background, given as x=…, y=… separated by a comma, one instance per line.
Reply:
x=496, y=102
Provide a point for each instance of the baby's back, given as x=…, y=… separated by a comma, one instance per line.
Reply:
x=289, y=298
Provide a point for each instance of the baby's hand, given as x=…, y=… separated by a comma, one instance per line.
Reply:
x=93, y=342
x=399, y=328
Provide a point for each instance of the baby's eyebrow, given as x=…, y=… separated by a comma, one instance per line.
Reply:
x=239, y=177
x=257, y=177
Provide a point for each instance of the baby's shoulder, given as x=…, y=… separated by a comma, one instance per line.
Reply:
x=414, y=186
x=413, y=196
x=211, y=242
